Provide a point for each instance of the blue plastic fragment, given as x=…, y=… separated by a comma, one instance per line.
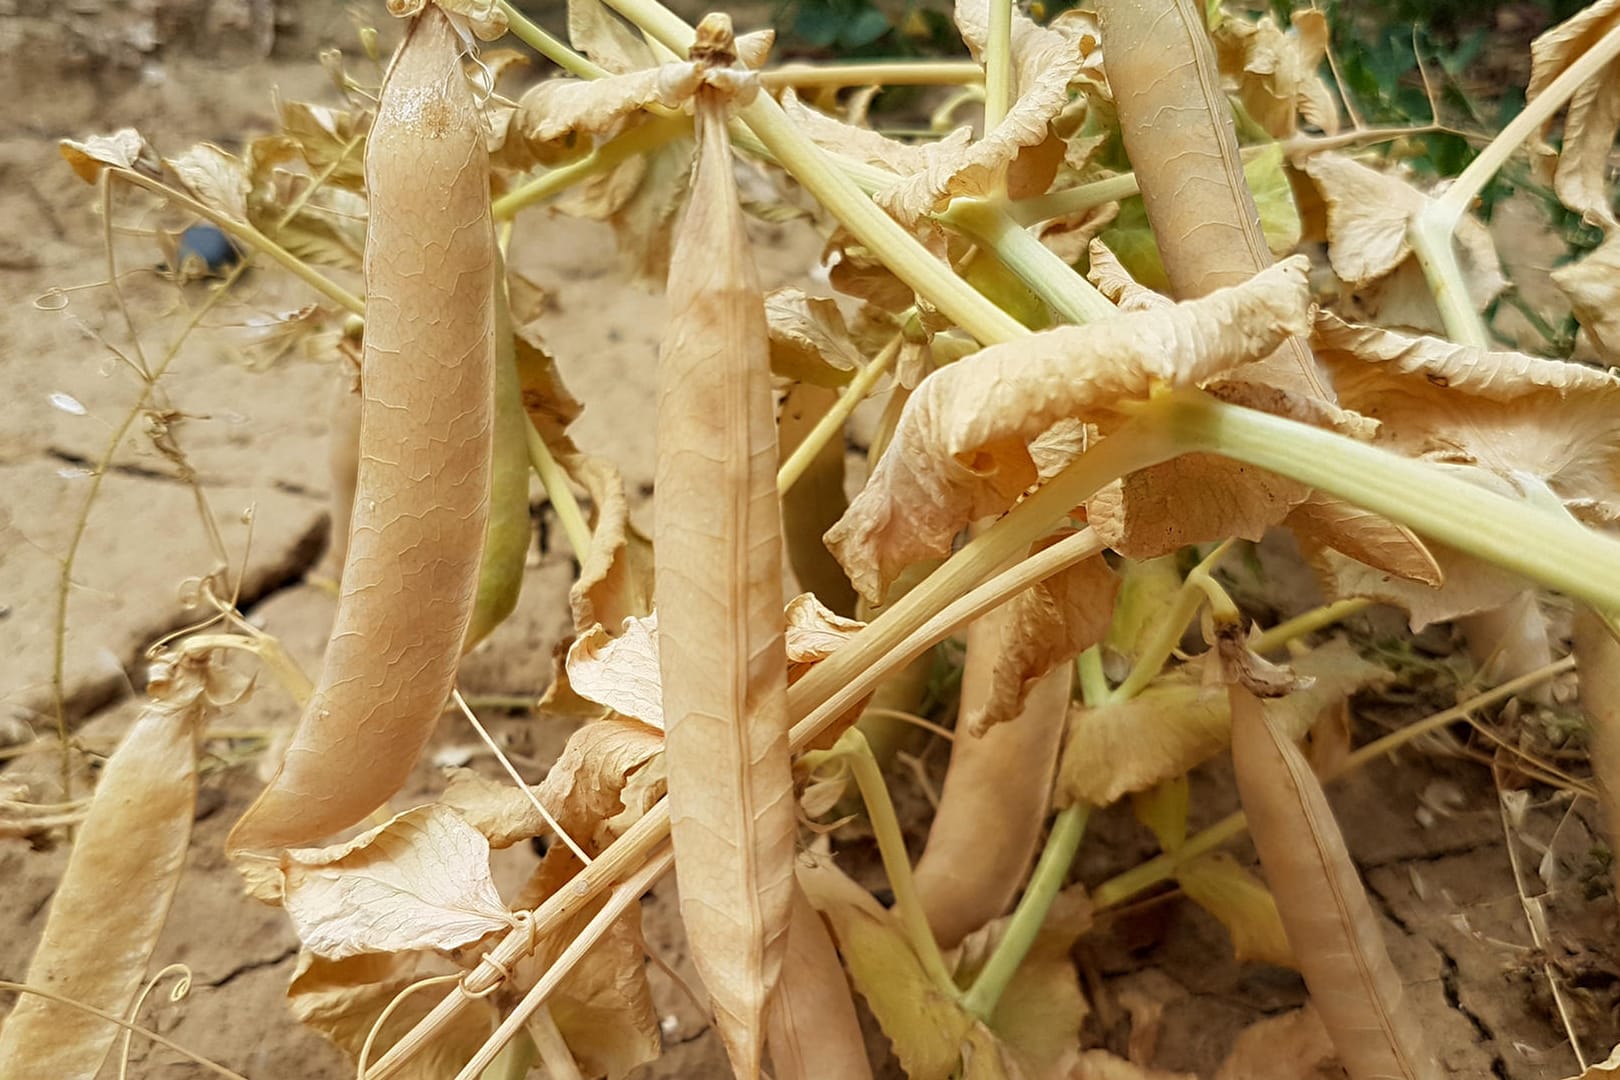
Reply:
x=207, y=246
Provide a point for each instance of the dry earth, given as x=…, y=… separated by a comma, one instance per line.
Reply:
x=1426, y=829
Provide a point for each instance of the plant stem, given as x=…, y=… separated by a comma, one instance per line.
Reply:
x=831, y=423
x=1069, y=295
x=1307, y=623
x=937, y=73
x=1516, y=535
x=891, y=842
x=526, y=31
x=998, y=73
x=252, y=237
x=819, y=174
x=641, y=139
x=1027, y=919
x=1163, y=867
x=1093, y=683
x=1431, y=231
x=1057, y=204
x=1188, y=599
x=555, y=481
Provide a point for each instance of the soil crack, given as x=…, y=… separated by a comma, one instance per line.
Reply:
x=253, y=965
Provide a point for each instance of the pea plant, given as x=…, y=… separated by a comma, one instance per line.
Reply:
x=1157, y=303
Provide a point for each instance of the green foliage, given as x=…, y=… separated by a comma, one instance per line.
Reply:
x=857, y=29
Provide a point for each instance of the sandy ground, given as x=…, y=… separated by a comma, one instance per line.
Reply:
x=1426, y=830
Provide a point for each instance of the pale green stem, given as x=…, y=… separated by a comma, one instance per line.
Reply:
x=1070, y=296
x=1546, y=547
x=253, y=238
x=1430, y=232
x=1093, y=682
x=998, y=66
x=1058, y=204
x=638, y=140
x=831, y=424
x=1309, y=622
x=891, y=842
x=922, y=73
x=819, y=174
x=1163, y=867
x=555, y=481
x=1156, y=651
x=1027, y=919
x=526, y=31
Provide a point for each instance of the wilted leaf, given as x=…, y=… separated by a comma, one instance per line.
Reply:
x=344, y=999
x=1046, y=625
x=419, y=881
x=1177, y=724
x=128, y=855
x=1329, y=921
x=809, y=341
x=816, y=500
x=327, y=139
x=1581, y=176
x=1323, y=521
x=595, y=32
x=218, y=179
x=961, y=449
x=615, y=581
x=1221, y=886
x=1291, y=1046
x=814, y=632
x=553, y=109
x=813, y=1032
x=1592, y=285
x=1274, y=73
x=868, y=147
x=123, y=149
x=1610, y=1067
x=620, y=672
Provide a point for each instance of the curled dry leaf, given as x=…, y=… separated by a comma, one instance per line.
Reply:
x=1177, y=724
x=123, y=149
x=418, y=881
x=1291, y=1046
x=719, y=594
x=554, y=109
x=1046, y=626
x=813, y=1032
x=1592, y=285
x=997, y=790
x=961, y=449
x=1581, y=174
x=344, y=999
x=620, y=672
x=1275, y=73
x=422, y=499
x=1324, y=908
x=615, y=581
x=809, y=340
x=1368, y=215
x=126, y=859
x=595, y=32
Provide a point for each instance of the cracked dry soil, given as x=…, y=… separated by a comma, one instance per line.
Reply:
x=257, y=439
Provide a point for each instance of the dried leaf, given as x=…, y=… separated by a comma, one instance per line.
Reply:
x=604, y=1006
x=218, y=179
x=999, y=784
x=813, y=1032
x=344, y=999
x=719, y=598
x=1177, y=724
x=327, y=139
x=620, y=672
x=1221, y=886
x=128, y=855
x=1592, y=285
x=551, y=110
x=1598, y=656
x=816, y=502
x=1291, y=1046
x=1610, y=1067
x=809, y=340
x=1274, y=73
x=594, y=31
x=1324, y=908
x=1368, y=214
x=1322, y=520
x=960, y=451
x=1101, y=1065
x=422, y=498
x=419, y=881
x=1046, y=625
x=615, y=580
x=123, y=149
x=867, y=147
x=1581, y=175
x=814, y=632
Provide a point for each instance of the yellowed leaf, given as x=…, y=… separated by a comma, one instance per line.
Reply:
x=620, y=672
x=615, y=581
x=813, y=1031
x=809, y=340
x=123, y=149
x=1046, y=626
x=1592, y=285
x=1290, y=1046
x=553, y=109
x=868, y=147
x=719, y=593
x=814, y=632
x=114, y=896
x=1177, y=723
x=218, y=179
x=1275, y=73
x=595, y=32
x=1221, y=886
x=344, y=999
x=1322, y=520
x=961, y=449
x=1581, y=174
x=325, y=137
x=604, y=1006
x=419, y=881
x=1324, y=908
